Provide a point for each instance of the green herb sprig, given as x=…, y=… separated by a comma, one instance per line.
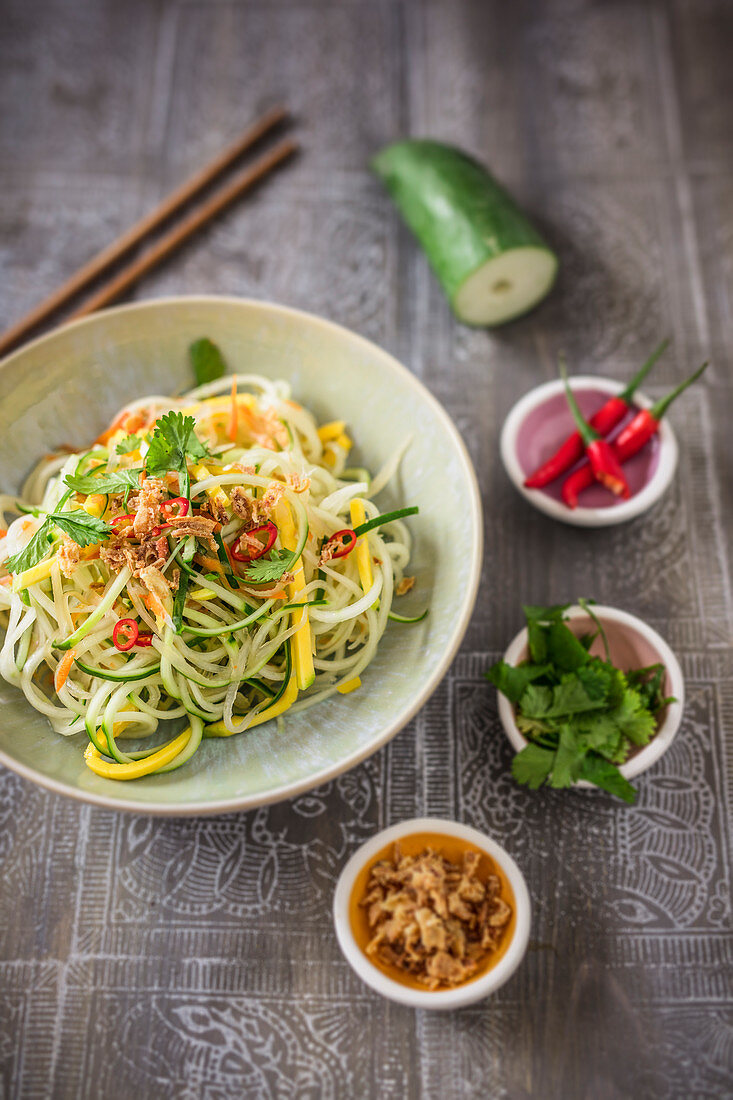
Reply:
x=581, y=714
x=83, y=529
x=172, y=442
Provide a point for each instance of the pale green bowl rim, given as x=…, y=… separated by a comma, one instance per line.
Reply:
x=463, y=615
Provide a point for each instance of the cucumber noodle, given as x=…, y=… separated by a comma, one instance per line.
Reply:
x=235, y=656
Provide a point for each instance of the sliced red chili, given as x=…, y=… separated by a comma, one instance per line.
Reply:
x=128, y=517
x=344, y=548
x=254, y=548
x=144, y=639
x=125, y=634
x=173, y=509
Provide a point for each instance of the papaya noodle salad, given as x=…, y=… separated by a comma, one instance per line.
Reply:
x=210, y=558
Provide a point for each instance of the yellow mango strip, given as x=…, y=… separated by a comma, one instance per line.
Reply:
x=95, y=505
x=218, y=404
x=136, y=768
x=200, y=594
x=363, y=559
x=332, y=430
x=350, y=685
x=32, y=576
x=286, y=700
x=215, y=492
x=301, y=640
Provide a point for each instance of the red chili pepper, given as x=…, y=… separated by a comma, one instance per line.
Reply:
x=603, y=462
x=128, y=517
x=144, y=639
x=629, y=441
x=345, y=549
x=125, y=634
x=174, y=508
x=604, y=421
x=250, y=553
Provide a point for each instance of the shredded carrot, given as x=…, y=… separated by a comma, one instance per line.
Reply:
x=135, y=421
x=209, y=563
x=3, y=532
x=6, y=580
x=125, y=421
x=114, y=427
x=64, y=668
x=234, y=418
x=153, y=604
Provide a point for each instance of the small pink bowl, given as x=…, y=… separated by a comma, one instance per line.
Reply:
x=540, y=421
x=632, y=644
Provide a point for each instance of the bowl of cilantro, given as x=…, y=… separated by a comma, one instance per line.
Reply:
x=589, y=696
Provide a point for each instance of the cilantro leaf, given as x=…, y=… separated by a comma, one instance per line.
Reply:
x=120, y=481
x=570, y=696
x=532, y=765
x=207, y=361
x=564, y=649
x=633, y=719
x=269, y=569
x=85, y=530
x=33, y=553
x=512, y=680
x=537, y=641
x=607, y=776
x=129, y=443
x=568, y=759
x=551, y=614
x=173, y=439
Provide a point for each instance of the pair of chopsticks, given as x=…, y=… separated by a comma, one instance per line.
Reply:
x=171, y=239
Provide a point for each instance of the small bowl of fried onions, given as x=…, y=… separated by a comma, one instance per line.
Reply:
x=432, y=914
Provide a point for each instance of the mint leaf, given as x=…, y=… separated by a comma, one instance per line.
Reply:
x=532, y=765
x=31, y=554
x=207, y=361
x=607, y=776
x=83, y=529
x=269, y=569
x=512, y=680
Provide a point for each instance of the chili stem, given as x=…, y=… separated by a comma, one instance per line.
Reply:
x=658, y=410
x=627, y=394
x=588, y=435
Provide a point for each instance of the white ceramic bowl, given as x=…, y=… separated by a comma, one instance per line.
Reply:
x=632, y=644
x=65, y=388
x=618, y=510
x=471, y=991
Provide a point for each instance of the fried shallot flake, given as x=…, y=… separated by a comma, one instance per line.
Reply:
x=433, y=919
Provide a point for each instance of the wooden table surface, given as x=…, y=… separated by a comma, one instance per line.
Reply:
x=154, y=958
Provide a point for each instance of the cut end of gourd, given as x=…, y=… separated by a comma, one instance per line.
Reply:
x=505, y=287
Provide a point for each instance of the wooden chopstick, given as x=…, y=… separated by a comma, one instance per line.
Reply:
x=178, y=234
x=173, y=202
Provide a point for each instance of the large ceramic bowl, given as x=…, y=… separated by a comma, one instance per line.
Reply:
x=66, y=387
